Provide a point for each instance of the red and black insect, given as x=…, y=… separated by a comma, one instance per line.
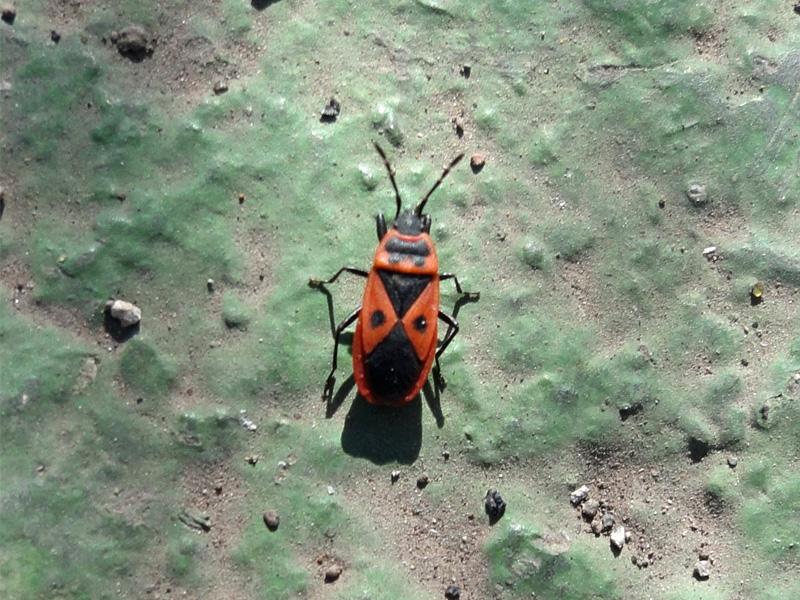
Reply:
x=395, y=343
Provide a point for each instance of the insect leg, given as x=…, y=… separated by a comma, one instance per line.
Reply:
x=317, y=282
x=452, y=330
x=470, y=295
x=327, y=391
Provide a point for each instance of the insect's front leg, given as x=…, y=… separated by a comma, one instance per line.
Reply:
x=318, y=282
x=467, y=295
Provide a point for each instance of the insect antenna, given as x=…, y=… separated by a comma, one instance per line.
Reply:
x=391, y=176
x=438, y=183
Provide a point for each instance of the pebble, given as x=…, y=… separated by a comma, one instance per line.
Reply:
x=422, y=481
x=453, y=592
x=732, y=461
x=272, y=519
x=132, y=42
x=331, y=110
x=618, y=538
x=697, y=193
x=9, y=13
x=477, y=160
x=126, y=313
x=702, y=569
x=608, y=521
x=579, y=495
x=248, y=424
x=597, y=527
x=459, y=123
x=640, y=561
x=590, y=509
x=220, y=87
x=494, y=504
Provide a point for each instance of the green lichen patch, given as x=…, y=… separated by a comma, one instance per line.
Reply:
x=144, y=369
x=522, y=562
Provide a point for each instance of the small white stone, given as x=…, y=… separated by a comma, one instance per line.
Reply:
x=709, y=250
x=618, y=537
x=126, y=313
x=248, y=424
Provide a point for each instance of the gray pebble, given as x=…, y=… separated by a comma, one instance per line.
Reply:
x=697, y=193
x=272, y=520
x=702, y=570
x=579, y=495
x=590, y=508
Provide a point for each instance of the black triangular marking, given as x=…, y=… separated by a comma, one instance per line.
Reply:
x=403, y=289
x=392, y=368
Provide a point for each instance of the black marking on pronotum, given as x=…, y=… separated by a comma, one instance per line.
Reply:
x=415, y=248
x=394, y=258
x=403, y=288
x=377, y=319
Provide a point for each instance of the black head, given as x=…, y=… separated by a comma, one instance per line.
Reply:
x=411, y=221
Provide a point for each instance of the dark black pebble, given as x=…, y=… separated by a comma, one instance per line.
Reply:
x=495, y=505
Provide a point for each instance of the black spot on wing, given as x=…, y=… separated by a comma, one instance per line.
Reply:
x=392, y=368
x=403, y=289
x=377, y=319
x=421, y=323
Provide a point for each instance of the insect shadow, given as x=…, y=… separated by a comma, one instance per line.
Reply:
x=381, y=434
x=260, y=5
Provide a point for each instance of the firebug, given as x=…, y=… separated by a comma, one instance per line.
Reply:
x=396, y=338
